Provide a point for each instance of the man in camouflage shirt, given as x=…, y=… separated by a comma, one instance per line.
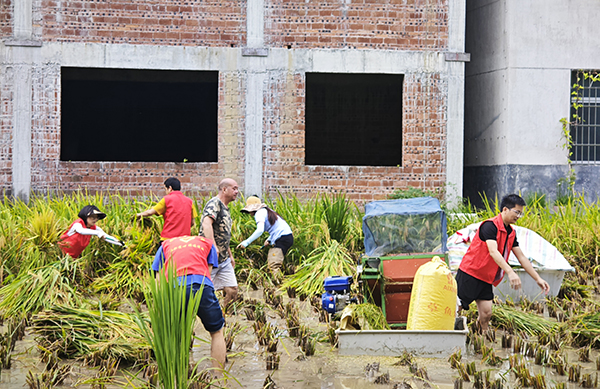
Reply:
x=216, y=226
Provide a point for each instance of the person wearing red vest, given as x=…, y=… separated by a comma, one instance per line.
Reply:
x=176, y=209
x=486, y=260
x=194, y=257
x=77, y=237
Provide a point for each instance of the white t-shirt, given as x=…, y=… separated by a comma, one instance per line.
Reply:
x=81, y=229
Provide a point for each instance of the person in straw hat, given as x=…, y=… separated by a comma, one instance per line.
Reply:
x=280, y=233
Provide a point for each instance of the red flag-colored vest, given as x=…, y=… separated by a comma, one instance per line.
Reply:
x=178, y=215
x=76, y=243
x=478, y=262
x=189, y=254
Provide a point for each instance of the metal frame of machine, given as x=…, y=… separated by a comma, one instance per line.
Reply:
x=392, y=292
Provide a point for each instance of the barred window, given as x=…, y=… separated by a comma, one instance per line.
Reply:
x=585, y=116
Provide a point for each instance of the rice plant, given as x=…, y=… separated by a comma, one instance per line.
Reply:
x=336, y=213
x=329, y=260
x=93, y=335
x=515, y=320
x=124, y=275
x=455, y=359
x=584, y=329
x=230, y=334
x=369, y=316
x=172, y=318
x=588, y=382
x=273, y=361
x=574, y=373
x=41, y=288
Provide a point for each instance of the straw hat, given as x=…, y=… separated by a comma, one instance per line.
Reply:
x=253, y=204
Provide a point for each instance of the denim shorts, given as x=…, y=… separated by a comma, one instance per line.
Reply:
x=209, y=310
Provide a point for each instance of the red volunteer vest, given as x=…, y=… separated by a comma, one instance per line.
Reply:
x=478, y=262
x=76, y=243
x=189, y=253
x=178, y=215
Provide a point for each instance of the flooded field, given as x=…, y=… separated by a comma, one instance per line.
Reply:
x=324, y=369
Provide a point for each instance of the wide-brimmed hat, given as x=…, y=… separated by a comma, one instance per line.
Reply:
x=253, y=204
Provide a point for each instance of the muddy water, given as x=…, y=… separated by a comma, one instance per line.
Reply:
x=326, y=369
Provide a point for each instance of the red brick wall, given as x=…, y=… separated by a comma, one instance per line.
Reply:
x=165, y=22
x=6, y=19
x=368, y=24
x=387, y=24
x=49, y=174
x=364, y=24
x=423, y=153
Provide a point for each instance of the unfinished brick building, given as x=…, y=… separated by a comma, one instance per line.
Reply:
x=282, y=95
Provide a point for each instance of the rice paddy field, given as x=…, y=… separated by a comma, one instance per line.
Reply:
x=99, y=321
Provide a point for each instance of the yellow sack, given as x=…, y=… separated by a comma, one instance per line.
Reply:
x=433, y=298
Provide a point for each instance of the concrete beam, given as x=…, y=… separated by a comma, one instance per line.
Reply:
x=232, y=59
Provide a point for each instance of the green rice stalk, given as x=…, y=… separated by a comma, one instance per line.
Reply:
x=125, y=275
x=85, y=333
x=41, y=288
x=584, y=329
x=330, y=260
x=369, y=316
x=336, y=212
x=172, y=326
x=510, y=318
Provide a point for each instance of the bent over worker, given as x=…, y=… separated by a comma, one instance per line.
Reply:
x=77, y=237
x=486, y=260
x=194, y=258
x=280, y=233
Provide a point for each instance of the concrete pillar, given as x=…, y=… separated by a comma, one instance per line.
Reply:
x=254, y=134
x=20, y=48
x=21, y=150
x=255, y=19
x=456, y=100
x=23, y=22
x=255, y=23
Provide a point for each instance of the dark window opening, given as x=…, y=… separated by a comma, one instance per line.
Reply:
x=138, y=115
x=354, y=119
x=585, y=116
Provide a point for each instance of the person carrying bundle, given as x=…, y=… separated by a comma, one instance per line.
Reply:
x=78, y=235
x=280, y=233
x=194, y=257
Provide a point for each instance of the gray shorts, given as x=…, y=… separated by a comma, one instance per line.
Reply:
x=223, y=276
